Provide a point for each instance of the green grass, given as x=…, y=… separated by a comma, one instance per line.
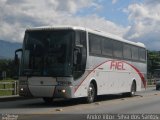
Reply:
x=7, y=86
x=5, y=93
x=7, y=80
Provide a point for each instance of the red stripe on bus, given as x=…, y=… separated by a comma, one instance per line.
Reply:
x=90, y=73
x=139, y=73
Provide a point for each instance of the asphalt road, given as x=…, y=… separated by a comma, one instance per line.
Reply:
x=144, y=102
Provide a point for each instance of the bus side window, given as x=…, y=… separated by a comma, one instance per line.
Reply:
x=142, y=54
x=135, y=54
x=95, y=44
x=107, y=47
x=127, y=51
x=117, y=49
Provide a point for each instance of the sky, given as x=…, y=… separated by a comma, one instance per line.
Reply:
x=134, y=20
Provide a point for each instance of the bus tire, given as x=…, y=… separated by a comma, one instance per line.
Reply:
x=48, y=100
x=91, y=93
x=132, y=91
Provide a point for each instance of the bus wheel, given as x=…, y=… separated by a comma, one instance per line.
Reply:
x=132, y=92
x=48, y=100
x=91, y=93
x=133, y=89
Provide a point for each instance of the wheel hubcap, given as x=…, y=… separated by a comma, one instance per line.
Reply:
x=91, y=93
x=133, y=89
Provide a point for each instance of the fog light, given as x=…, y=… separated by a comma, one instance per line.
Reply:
x=63, y=91
x=22, y=89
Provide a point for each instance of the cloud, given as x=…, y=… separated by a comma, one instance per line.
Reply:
x=114, y=1
x=72, y=6
x=96, y=23
x=18, y=15
x=145, y=23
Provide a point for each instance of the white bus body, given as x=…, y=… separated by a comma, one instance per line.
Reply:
x=82, y=63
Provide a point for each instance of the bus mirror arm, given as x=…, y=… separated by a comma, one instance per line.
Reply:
x=18, y=50
x=16, y=59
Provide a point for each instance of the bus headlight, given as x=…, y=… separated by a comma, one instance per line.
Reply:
x=21, y=89
x=63, y=91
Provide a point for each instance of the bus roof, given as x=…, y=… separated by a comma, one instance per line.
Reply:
x=97, y=32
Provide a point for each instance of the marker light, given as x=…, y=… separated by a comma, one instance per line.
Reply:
x=63, y=91
x=22, y=89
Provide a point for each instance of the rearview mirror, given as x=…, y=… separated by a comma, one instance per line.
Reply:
x=16, y=58
x=77, y=57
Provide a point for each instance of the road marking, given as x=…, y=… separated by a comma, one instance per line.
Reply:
x=97, y=103
x=59, y=109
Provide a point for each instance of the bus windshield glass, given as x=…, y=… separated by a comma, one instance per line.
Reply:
x=47, y=53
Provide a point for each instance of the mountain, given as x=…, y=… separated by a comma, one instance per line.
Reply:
x=7, y=49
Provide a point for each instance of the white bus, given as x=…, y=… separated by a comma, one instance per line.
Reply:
x=72, y=62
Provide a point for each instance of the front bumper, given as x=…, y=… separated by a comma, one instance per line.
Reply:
x=46, y=91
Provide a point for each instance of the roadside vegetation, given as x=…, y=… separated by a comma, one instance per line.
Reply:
x=7, y=66
x=6, y=86
x=153, y=61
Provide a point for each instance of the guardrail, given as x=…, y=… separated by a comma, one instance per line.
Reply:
x=10, y=86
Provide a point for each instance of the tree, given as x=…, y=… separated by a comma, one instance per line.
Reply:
x=8, y=66
x=153, y=61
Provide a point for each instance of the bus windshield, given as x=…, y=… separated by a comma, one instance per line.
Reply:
x=47, y=53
